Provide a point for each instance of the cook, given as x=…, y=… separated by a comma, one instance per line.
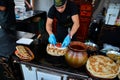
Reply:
x=67, y=16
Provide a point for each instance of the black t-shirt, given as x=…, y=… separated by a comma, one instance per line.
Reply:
x=64, y=20
x=7, y=17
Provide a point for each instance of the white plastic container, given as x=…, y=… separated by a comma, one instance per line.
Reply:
x=20, y=11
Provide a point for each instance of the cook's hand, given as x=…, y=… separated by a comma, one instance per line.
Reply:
x=52, y=39
x=66, y=41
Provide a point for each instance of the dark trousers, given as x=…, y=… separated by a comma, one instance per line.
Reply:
x=6, y=72
x=9, y=70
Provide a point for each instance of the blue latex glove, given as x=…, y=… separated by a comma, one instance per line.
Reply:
x=66, y=41
x=52, y=39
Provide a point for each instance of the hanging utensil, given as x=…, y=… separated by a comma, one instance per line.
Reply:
x=36, y=41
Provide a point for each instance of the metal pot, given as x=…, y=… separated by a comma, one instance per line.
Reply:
x=77, y=54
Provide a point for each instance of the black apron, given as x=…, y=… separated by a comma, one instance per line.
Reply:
x=62, y=30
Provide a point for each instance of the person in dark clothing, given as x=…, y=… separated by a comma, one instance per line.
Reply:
x=67, y=15
x=7, y=27
x=7, y=45
x=7, y=14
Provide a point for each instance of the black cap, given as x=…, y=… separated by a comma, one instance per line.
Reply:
x=59, y=3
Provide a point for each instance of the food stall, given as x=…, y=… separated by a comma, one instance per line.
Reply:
x=47, y=62
x=49, y=66
x=43, y=66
